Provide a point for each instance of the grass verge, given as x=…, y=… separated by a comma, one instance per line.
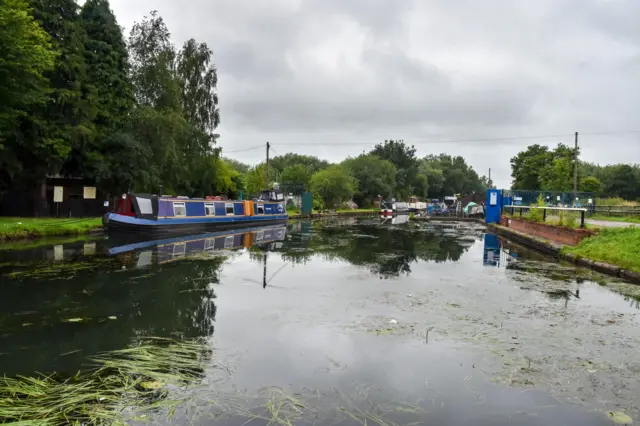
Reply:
x=14, y=228
x=619, y=246
x=124, y=383
x=616, y=218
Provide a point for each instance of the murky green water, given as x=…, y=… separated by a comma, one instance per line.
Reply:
x=341, y=323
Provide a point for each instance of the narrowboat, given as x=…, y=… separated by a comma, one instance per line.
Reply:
x=146, y=214
x=392, y=207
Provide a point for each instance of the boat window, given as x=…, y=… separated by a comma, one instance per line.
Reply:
x=228, y=242
x=209, y=209
x=144, y=204
x=280, y=196
x=260, y=208
x=209, y=244
x=228, y=207
x=179, y=209
x=179, y=250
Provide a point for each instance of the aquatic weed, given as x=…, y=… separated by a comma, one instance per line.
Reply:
x=117, y=384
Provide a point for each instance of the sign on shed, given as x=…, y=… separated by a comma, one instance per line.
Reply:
x=89, y=192
x=58, y=191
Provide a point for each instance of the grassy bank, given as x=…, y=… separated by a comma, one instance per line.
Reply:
x=13, y=228
x=620, y=247
x=628, y=219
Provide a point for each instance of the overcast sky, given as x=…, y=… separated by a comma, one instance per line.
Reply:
x=332, y=78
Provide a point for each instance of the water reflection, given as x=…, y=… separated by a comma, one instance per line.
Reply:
x=74, y=302
x=301, y=301
x=382, y=249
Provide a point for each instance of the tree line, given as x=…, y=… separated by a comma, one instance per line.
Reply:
x=79, y=100
x=391, y=168
x=542, y=168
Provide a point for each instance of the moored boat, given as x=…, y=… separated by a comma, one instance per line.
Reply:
x=160, y=215
x=417, y=206
x=392, y=207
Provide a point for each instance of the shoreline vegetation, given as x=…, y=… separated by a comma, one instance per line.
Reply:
x=15, y=228
x=616, y=246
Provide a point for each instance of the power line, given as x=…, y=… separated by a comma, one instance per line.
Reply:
x=496, y=139
x=243, y=150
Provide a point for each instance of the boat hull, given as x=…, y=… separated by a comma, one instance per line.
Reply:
x=121, y=224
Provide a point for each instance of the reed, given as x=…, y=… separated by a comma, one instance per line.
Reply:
x=116, y=385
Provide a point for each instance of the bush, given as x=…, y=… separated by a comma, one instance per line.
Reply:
x=535, y=214
x=615, y=201
x=318, y=205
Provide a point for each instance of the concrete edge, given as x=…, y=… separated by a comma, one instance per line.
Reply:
x=555, y=250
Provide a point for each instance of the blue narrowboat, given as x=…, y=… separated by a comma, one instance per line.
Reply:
x=146, y=214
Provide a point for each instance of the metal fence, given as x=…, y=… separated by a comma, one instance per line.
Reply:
x=552, y=198
x=620, y=211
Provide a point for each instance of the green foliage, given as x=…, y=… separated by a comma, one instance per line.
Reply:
x=296, y=174
x=620, y=246
x=375, y=177
x=540, y=168
x=26, y=56
x=256, y=179
x=125, y=116
x=448, y=175
x=20, y=228
x=403, y=157
x=615, y=201
x=333, y=185
x=318, y=204
x=535, y=214
x=618, y=180
x=311, y=163
x=591, y=184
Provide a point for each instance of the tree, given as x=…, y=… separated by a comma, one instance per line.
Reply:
x=313, y=164
x=623, y=182
x=540, y=168
x=153, y=71
x=107, y=67
x=237, y=165
x=450, y=175
x=198, y=88
x=26, y=56
x=256, y=179
x=334, y=185
x=375, y=177
x=404, y=159
x=591, y=184
x=296, y=174
x=557, y=176
x=527, y=166
x=110, y=97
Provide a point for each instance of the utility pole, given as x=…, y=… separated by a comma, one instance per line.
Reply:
x=575, y=172
x=490, y=182
x=268, y=146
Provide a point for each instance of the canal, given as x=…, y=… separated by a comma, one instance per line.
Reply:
x=334, y=323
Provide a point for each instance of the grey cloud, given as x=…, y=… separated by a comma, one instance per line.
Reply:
x=307, y=71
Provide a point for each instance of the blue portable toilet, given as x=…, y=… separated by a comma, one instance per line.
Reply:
x=494, y=206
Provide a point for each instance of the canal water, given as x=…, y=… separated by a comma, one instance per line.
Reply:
x=337, y=323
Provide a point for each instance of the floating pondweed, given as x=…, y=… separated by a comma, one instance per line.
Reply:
x=130, y=381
